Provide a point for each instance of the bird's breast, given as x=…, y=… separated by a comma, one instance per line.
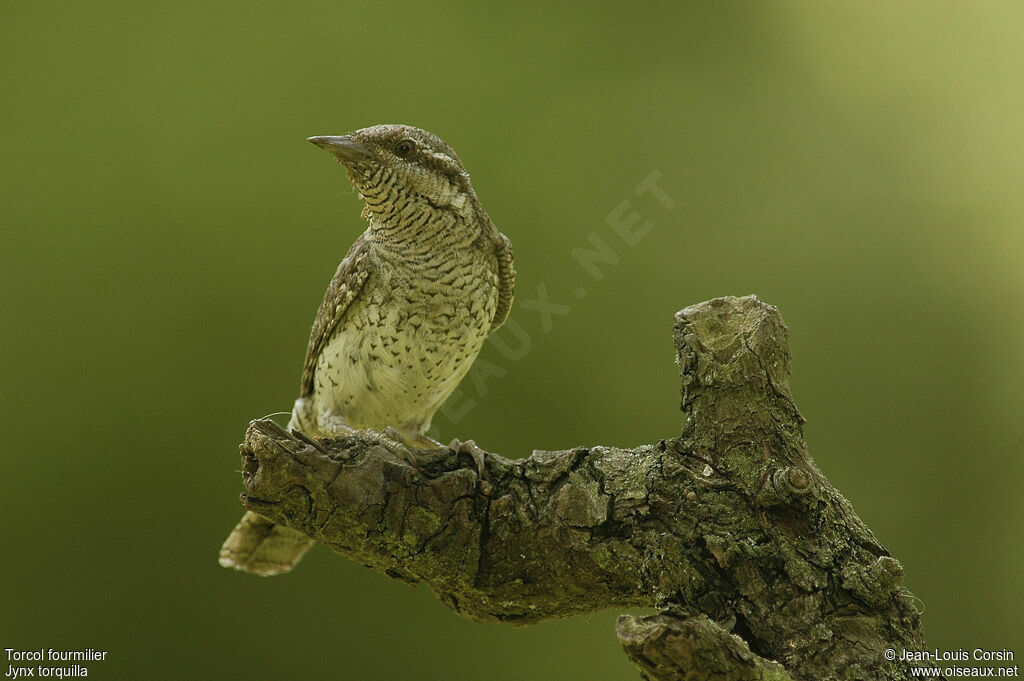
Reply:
x=404, y=345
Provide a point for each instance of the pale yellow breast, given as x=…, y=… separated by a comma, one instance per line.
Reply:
x=404, y=346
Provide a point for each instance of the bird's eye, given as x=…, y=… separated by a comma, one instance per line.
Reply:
x=404, y=148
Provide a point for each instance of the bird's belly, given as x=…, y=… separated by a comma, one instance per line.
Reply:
x=390, y=372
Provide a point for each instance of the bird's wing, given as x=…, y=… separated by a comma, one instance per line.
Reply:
x=344, y=287
x=506, y=282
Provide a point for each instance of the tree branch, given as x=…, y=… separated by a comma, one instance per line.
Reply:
x=761, y=568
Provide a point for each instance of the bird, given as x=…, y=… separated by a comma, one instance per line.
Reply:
x=404, y=316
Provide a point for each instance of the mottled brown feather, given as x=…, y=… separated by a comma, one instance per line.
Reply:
x=506, y=282
x=346, y=284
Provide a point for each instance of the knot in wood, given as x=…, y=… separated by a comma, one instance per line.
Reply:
x=787, y=486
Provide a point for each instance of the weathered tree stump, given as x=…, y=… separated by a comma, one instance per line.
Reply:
x=760, y=567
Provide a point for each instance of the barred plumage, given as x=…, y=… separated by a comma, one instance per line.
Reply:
x=405, y=314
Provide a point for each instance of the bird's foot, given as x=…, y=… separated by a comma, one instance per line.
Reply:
x=424, y=442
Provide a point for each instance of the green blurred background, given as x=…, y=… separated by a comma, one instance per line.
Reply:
x=168, y=234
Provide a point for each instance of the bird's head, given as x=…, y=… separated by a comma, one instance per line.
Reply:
x=394, y=165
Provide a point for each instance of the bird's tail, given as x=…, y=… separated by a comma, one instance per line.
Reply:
x=257, y=545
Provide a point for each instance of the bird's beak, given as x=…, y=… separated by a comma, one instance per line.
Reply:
x=343, y=147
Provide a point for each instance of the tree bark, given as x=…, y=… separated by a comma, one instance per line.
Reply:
x=760, y=568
